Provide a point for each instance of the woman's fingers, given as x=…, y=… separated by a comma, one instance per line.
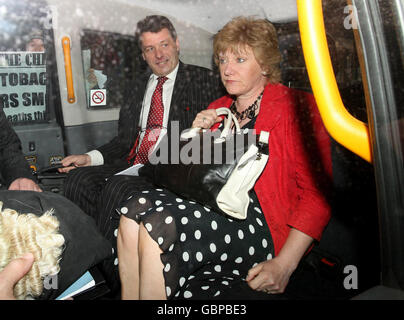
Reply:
x=206, y=119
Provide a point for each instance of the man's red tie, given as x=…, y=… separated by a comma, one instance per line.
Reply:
x=154, y=124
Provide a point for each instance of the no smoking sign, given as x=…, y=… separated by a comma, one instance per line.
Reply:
x=98, y=97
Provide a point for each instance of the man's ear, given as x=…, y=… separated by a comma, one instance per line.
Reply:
x=177, y=43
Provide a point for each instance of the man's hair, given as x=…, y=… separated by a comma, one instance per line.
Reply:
x=154, y=23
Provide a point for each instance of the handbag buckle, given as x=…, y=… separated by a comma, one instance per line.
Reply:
x=262, y=144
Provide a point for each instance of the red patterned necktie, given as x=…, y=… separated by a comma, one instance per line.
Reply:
x=154, y=123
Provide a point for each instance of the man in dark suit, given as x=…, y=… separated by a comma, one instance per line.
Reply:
x=14, y=170
x=187, y=90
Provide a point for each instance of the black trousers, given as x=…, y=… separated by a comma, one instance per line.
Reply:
x=99, y=192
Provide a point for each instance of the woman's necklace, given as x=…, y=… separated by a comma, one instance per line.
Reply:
x=248, y=112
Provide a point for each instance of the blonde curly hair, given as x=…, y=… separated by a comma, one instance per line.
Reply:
x=22, y=233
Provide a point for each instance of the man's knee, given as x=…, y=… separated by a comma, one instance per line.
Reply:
x=85, y=179
x=117, y=189
x=73, y=179
x=80, y=174
x=114, y=182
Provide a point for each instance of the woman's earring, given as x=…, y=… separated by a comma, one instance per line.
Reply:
x=263, y=73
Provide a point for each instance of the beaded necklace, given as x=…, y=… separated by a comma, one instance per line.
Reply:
x=248, y=112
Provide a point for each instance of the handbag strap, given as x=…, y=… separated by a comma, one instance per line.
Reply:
x=228, y=121
x=264, y=137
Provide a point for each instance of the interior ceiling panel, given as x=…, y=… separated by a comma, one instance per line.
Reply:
x=211, y=15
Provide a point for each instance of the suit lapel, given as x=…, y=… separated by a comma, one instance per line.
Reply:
x=181, y=83
x=139, y=90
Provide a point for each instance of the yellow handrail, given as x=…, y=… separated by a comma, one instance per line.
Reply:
x=341, y=125
x=68, y=70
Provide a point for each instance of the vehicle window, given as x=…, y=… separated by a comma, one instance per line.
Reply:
x=343, y=50
x=25, y=36
x=294, y=73
x=355, y=208
x=393, y=26
x=389, y=129
x=23, y=81
x=109, y=64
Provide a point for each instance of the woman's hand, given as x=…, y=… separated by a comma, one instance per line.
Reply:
x=206, y=119
x=271, y=276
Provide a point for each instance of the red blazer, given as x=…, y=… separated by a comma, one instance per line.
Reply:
x=293, y=190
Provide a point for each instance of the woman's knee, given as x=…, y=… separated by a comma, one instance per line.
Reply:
x=148, y=247
x=128, y=233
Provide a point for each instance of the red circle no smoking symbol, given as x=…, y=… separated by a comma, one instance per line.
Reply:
x=98, y=97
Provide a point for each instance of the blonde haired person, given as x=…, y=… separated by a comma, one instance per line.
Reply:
x=28, y=233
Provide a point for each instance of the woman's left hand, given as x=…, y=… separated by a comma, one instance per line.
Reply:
x=206, y=119
x=271, y=276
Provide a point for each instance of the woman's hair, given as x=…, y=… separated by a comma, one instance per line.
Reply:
x=154, y=23
x=22, y=233
x=258, y=34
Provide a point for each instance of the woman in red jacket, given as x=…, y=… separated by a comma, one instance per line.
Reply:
x=169, y=247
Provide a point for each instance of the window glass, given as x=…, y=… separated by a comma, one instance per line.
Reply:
x=339, y=24
x=393, y=25
x=23, y=82
x=354, y=203
x=109, y=64
x=25, y=34
x=294, y=73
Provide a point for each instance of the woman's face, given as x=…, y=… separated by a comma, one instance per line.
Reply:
x=240, y=72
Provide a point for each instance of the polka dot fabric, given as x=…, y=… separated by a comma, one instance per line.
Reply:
x=204, y=253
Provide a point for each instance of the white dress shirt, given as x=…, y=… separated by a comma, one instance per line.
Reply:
x=96, y=157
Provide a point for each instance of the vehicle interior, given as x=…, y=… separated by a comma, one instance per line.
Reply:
x=65, y=99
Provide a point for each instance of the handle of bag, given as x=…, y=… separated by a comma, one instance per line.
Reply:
x=192, y=132
x=227, y=122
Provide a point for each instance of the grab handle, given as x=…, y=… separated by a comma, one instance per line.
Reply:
x=342, y=126
x=68, y=69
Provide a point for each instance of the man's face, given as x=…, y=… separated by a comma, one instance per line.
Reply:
x=160, y=51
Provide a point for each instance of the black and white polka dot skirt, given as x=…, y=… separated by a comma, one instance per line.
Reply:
x=204, y=253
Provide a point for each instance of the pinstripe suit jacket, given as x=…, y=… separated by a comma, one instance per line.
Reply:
x=12, y=162
x=195, y=87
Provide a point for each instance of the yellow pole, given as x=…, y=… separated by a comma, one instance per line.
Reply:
x=341, y=125
x=68, y=70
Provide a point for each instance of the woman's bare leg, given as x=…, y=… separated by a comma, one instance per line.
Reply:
x=152, y=284
x=128, y=257
x=140, y=267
